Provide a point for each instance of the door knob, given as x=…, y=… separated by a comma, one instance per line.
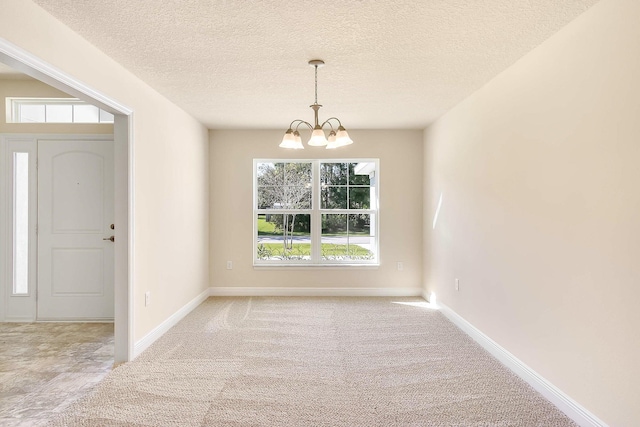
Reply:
x=112, y=238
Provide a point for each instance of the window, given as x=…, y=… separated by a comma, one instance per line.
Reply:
x=315, y=212
x=54, y=110
x=20, y=223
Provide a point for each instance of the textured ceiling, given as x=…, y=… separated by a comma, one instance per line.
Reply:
x=243, y=64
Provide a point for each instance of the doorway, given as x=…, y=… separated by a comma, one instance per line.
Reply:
x=60, y=216
x=123, y=186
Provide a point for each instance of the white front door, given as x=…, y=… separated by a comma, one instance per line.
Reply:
x=75, y=213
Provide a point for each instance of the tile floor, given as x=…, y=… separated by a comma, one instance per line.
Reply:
x=44, y=367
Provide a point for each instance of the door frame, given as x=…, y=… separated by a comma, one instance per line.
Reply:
x=124, y=175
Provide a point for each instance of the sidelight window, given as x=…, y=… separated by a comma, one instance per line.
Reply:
x=20, y=223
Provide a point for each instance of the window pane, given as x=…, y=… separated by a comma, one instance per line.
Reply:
x=57, y=110
x=361, y=173
x=334, y=224
x=270, y=185
x=359, y=197
x=284, y=237
x=298, y=174
x=106, y=117
x=333, y=198
x=20, y=223
x=361, y=240
x=267, y=197
x=284, y=185
x=296, y=197
x=347, y=185
x=86, y=114
x=31, y=113
x=334, y=173
x=284, y=197
x=347, y=237
x=59, y=113
x=270, y=174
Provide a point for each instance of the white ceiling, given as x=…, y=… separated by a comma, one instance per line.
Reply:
x=243, y=64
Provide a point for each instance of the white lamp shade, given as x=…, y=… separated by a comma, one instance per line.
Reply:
x=317, y=138
x=342, y=138
x=289, y=141
x=331, y=141
x=299, y=145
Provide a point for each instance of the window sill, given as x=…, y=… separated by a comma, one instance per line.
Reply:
x=316, y=266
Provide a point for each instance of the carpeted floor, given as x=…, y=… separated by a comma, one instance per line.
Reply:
x=339, y=362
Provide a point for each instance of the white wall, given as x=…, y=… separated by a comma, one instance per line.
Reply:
x=400, y=153
x=170, y=161
x=539, y=176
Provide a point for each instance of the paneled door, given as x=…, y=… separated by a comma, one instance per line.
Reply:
x=75, y=213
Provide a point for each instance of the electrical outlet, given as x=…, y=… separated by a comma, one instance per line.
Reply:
x=229, y=265
x=400, y=266
x=457, y=284
x=147, y=298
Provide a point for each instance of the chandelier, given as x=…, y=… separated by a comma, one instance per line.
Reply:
x=338, y=136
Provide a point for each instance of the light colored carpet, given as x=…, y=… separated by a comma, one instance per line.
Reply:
x=339, y=362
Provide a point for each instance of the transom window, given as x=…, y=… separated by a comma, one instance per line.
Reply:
x=54, y=110
x=315, y=212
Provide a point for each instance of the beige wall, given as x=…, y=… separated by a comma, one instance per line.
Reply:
x=400, y=154
x=541, y=206
x=170, y=162
x=35, y=88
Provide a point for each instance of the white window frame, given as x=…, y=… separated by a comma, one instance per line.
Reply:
x=13, y=105
x=17, y=302
x=316, y=216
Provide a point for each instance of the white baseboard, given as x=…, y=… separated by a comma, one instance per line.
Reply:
x=567, y=405
x=19, y=319
x=144, y=343
x=315, y=292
